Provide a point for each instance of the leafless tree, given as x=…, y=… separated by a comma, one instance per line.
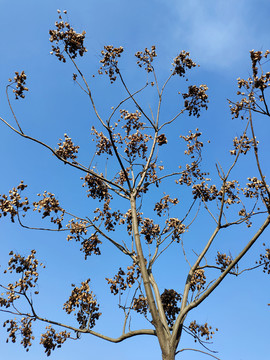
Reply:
x=134, y=141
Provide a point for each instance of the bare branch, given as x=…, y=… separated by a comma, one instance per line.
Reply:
x=65, y=161
x=203, y=352
x=101, y=336
x=11, y=108
x=138, y=106
x=228, y=269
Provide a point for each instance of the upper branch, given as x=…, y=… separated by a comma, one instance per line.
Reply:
x=195, y=303
x=65, y=161
x=136, y=103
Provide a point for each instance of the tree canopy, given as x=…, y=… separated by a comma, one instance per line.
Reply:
x=158, y=209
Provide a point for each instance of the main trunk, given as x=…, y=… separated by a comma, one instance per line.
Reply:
x=170, y=355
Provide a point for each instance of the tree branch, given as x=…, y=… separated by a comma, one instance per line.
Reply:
x=203, y=352
x=195, y=303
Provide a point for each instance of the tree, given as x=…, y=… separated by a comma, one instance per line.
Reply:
x=129, y=146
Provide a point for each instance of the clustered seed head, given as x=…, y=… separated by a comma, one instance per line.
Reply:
x=161, y=140
x=51, y=339
x=104, y=145
x=132, y=121
x=97, y=189
x=110, y=61
x=200, y=331
x=47, y=205
x=26, y=268
x=242, y=144
x=67, y=149
x=90, y=246
x=198, y=280
x=209, y=193
x=162, y=207
x=146, y=58
x=12, y=203
x=108, y=218
x=83, y=303
x=119, y=284
x=223, y=260
x=265, y=261
x=140, y=305
x=193, y=144
x=77, y=231
x=64, y=34
x=150, y=177
x=196, y=99
x=177, y=228
x=254, y=188
x=182, y=62
x=170, y=298
x=24, y=329
x=127, y=219
x=253, y=88
x=150, y=230
x=19, y=80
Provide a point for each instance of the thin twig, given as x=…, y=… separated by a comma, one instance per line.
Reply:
x=203, y=352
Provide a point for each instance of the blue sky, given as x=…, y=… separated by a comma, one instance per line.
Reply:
x=219, y=36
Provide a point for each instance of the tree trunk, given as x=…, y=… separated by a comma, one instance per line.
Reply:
x=168, y=355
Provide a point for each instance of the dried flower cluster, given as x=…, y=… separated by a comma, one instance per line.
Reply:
x=104, y=145
x=90, y=246
x=265, y=261
x=77, y=229
x=140, y=305
x=242, y=144
x=230, y=188
x=12, y=203
x=19, y=80
x=127, y=219
x=176, y=227
x=182, y=62
x=97, y=189
x=67, y=149
x=191, y=174
x=119, y=284
x=170, y=299
x=253, y=88
x=255, y=188
x=204, y=191
x=162, y=207
x=132, y=121
x=201, y=330
x=136, y=145
x=150, y=230
x=223, y=260
x=108, y=218
x=197, y=280
x=161, y=140
x=83, y=302
x=26, y=268
x=193, y=144
x=110, y=61
x=64, y=34
x=23, y=328
x=51, y=339
x=196, y=99
x=146, y=58
x=47, y=205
